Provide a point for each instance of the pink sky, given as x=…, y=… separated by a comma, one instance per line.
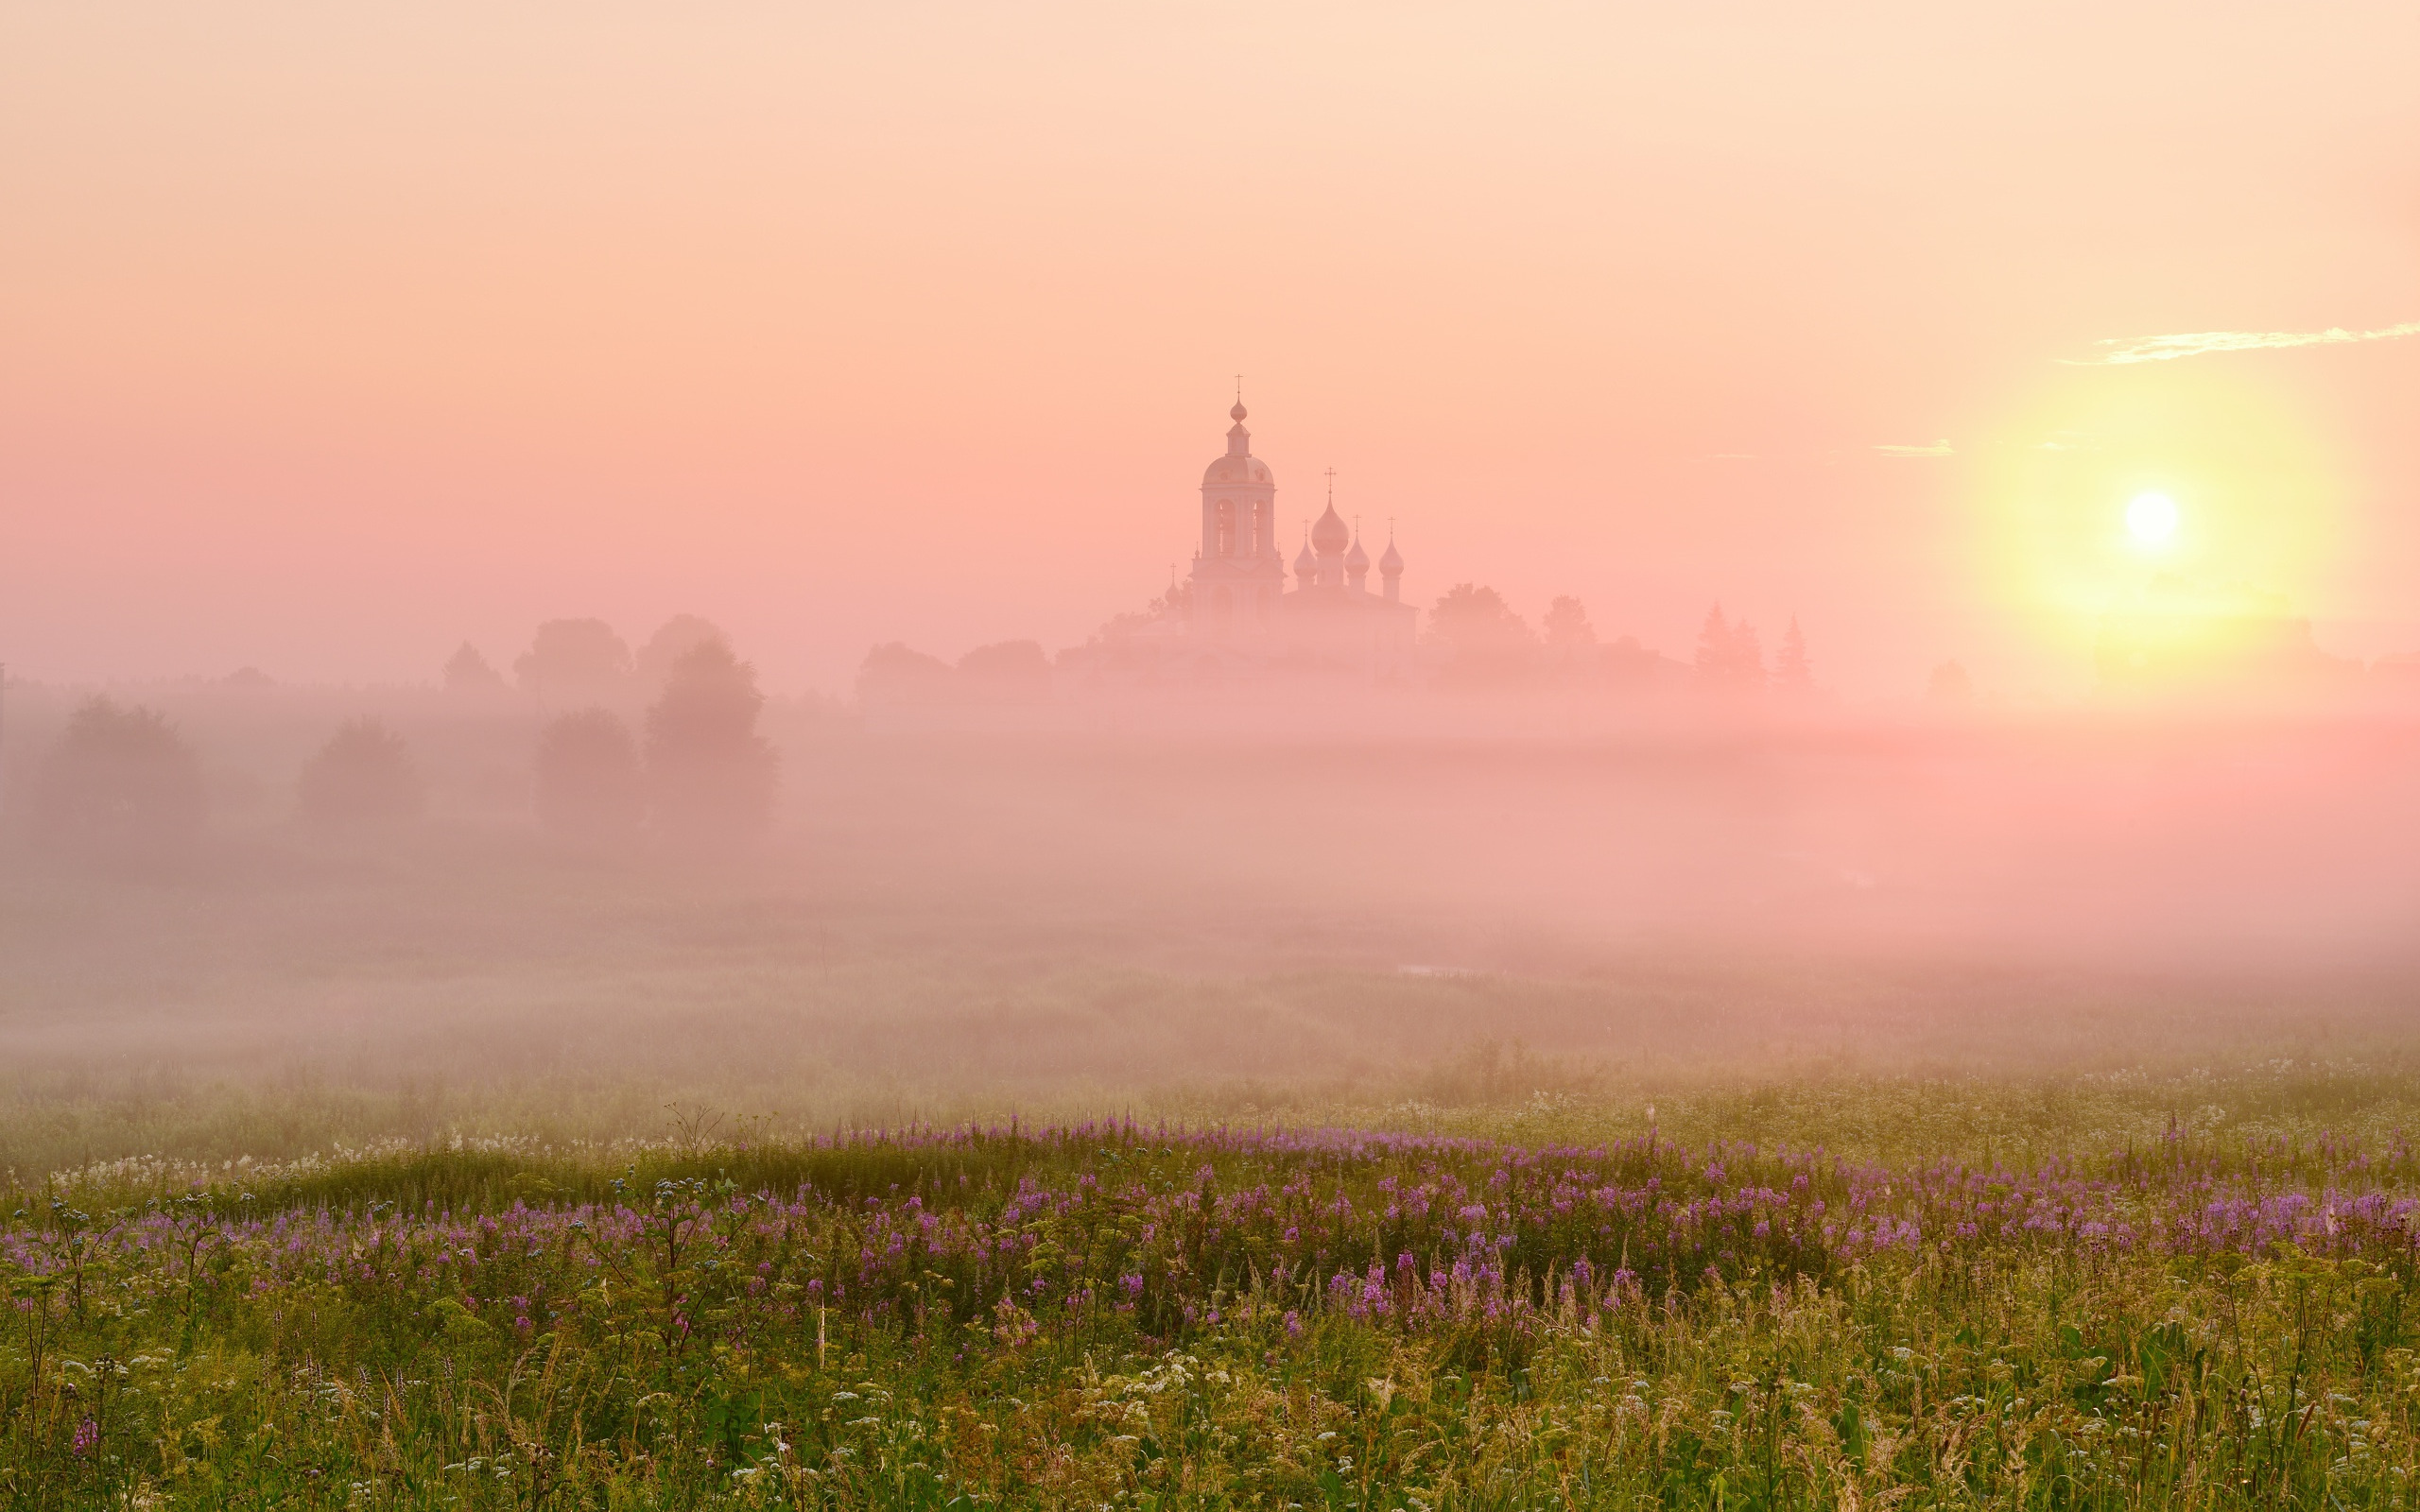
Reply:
x=331, y=336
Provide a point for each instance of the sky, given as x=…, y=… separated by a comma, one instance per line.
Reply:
x=332, y=337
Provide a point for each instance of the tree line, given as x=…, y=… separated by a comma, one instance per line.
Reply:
x=1478, y=637
x=123, y=783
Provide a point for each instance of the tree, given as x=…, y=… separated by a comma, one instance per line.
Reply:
x=468, y=671
x=1482, y=639
x=674, y=639
x=1747, y=657
x=589, y=786
x=121, y=783
x=1630, y=665
x=1950, y=686
x=711, y=776
x=1566, y=625
x=1133, y=640
x=898, y=674
x=574, y=662
x=1571, y=640
x=1009, y=672
x=1730, y=657
x=1792, y=672
x=364, y=774
x=1714, y=646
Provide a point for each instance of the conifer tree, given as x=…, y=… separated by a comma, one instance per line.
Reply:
x=468, y=671
x=1747, y=657
x=1792, y=672
x=1730, y=656
x=1714, y=647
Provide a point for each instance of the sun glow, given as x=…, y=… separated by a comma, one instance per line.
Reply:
x=2193, y=499
x=2151, y=520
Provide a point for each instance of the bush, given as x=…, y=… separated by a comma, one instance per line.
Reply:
x=711, y=775
x=364, y=774
x=120, y=782
x=588, y=776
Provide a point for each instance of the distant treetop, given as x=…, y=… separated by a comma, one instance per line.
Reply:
x=674, y=639
x=468, y=671
x=711, y=776
x=364, y=774
x=120, y=784
x=571, y=662
x=1730, y=657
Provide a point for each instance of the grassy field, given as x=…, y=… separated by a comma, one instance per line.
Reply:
x=1117, y=1314
x=990, y=1142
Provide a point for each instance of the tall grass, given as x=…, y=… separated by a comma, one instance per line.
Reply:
x=1152, y=1315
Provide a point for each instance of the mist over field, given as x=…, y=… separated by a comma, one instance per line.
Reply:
x=1224, y=905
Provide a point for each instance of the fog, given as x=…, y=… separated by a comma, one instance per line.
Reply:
x=1222, y=900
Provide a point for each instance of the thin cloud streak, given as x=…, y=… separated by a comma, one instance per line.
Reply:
x=2199, y=343
x=1936, y=449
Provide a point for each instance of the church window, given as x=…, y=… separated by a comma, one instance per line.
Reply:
x=1226, y=527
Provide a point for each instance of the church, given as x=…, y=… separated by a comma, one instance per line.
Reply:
x=1239, y=606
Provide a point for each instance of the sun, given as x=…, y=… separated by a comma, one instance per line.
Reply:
x=2151, y=519
x=2111, y=491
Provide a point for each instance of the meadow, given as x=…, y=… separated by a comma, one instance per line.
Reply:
x=1122, y=1313
x=1040, y=1125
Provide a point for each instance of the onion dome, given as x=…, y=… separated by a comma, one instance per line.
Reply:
x=1238, y=466
x=1357, y=560
x=1391, y=563
x=1237, y=413
x=1306, y=567
x=1330, y=535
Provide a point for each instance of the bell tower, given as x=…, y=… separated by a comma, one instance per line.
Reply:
x=1238, y=573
